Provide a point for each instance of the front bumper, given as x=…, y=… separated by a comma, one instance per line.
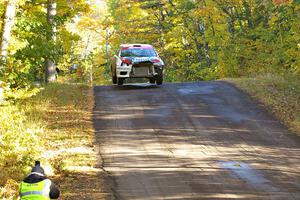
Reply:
x=130, y=71
x=124, y=71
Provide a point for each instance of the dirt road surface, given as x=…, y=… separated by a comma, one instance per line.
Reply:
x=203, y=140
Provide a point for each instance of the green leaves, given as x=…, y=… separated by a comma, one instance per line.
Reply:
x=32, y=42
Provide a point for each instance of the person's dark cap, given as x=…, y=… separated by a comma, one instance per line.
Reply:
x=37, y=168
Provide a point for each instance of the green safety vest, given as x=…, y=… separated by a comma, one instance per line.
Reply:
x=35, y=191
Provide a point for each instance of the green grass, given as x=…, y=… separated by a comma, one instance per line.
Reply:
x=52, y=124
x=279, y=93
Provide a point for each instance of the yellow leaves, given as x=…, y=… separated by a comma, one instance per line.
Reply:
x=19, y=143
x=88, y=23
x=74, y=7
x=10, y=189
x=23, y=93
x=281, y=2
x=202, y=12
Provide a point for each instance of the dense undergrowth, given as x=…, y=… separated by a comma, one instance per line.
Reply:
x=19, y=142
x=279, y=93
x=53, y=125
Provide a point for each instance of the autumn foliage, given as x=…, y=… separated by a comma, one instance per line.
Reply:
x=281, y=2
x=211, y=39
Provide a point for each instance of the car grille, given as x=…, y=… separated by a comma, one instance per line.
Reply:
x=141, y=71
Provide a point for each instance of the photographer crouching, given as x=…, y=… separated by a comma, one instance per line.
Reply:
x=36, y=186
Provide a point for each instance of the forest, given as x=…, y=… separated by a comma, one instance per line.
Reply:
x=45, y=43
x=212, y=39
x=199, y=40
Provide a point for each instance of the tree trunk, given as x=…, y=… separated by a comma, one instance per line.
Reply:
x=239, y=18
x=50, y=71
x=230, y=19
x=187, y=57
x=248, y=13
x=198, y=44
x=201, y=30
x=230, y=24
x=50, y=67
x=8, y=23
x=198, y=48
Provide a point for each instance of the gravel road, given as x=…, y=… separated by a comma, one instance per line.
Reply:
x=203, y=140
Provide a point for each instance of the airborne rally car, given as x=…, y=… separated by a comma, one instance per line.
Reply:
x=137, y=61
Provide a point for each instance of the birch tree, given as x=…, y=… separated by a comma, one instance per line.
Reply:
x=7, y=26
x=50, y=66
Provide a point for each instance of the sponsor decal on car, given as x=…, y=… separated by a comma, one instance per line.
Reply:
x=140, y=59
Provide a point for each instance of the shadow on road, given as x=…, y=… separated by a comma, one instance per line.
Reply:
x=193, y=141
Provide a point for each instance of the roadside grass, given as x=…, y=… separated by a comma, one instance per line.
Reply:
x=63, y=135
x=279, y=93
x=66, y=110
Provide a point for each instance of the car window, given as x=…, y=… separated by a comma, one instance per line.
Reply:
x=138, y=52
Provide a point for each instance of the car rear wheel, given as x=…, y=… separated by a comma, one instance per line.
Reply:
x=120, y=81
x=159, y=80
x=152, y=80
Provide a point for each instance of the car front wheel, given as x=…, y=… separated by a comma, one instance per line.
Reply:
x=120, y=81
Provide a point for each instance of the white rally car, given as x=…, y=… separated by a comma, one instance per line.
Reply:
x=137, y=61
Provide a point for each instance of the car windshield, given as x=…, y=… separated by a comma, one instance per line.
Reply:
x=137, y=52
